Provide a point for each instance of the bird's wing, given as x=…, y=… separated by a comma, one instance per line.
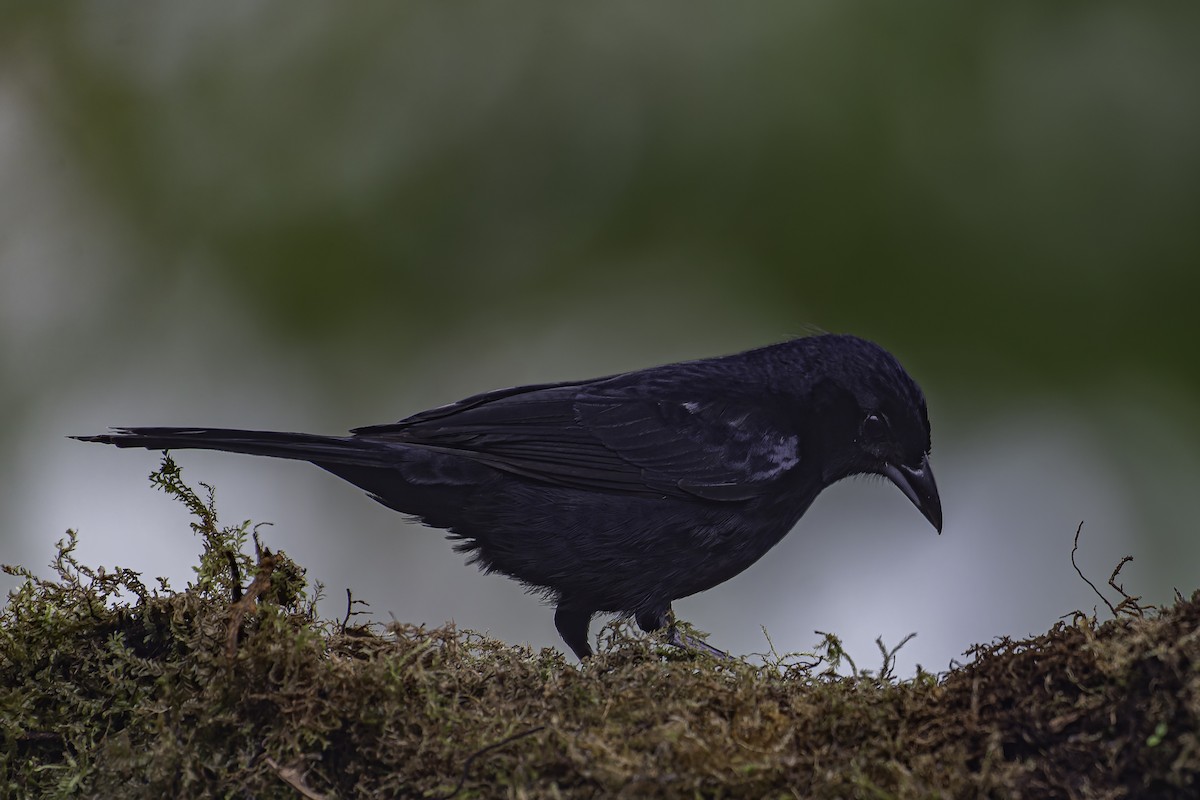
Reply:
x=612, y=437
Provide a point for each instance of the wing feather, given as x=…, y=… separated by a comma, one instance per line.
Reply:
x=607, y=437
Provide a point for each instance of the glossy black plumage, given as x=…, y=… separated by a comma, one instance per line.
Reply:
x=624, y=493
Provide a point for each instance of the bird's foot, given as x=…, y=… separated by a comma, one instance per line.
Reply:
x=685, y=642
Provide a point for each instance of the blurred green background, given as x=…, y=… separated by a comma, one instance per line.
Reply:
x=312, y=216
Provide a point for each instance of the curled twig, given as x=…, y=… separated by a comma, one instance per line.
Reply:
x=1128, y=602
x=1085, y=578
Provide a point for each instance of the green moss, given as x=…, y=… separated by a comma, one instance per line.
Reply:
x=111, y=688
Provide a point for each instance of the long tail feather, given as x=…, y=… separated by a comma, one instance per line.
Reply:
x=302, y=446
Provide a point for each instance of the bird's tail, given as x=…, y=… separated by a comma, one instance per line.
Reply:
x=423, y=485
x=332, y=450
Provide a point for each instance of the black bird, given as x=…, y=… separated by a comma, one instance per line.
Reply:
x=624, y=493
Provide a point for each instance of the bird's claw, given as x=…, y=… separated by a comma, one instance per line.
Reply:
x=685, y=642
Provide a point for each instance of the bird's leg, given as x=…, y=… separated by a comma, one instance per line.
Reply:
x=655, y=619
x=572, y=623
x=659, y=618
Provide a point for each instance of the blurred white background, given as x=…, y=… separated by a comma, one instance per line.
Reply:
x=294, y=216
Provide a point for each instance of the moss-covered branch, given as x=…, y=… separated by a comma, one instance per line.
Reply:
x=109, y=688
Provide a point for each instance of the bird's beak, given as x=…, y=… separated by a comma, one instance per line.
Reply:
x=918, y=486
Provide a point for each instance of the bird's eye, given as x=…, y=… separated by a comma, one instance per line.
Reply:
x=875, y=426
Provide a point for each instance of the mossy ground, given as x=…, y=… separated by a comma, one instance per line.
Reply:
x=110, y=688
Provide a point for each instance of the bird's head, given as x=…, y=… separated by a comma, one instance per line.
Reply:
x=874, y=420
